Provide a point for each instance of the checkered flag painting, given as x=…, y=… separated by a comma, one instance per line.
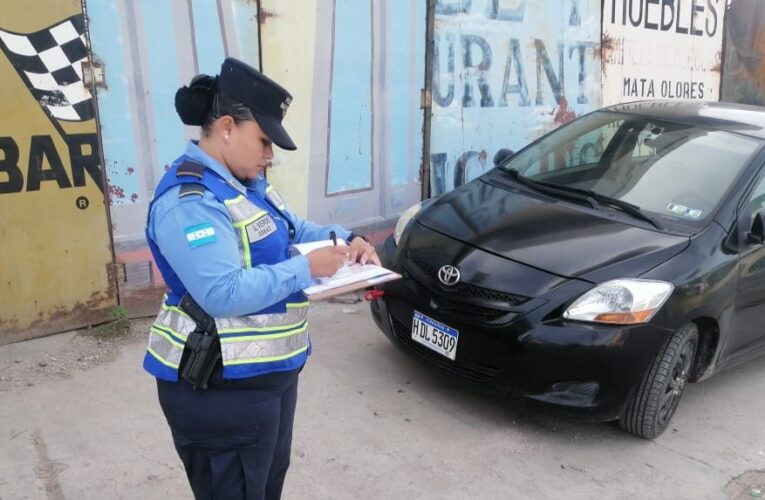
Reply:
x=50, y=63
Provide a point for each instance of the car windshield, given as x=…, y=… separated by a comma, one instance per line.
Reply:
x=676, y=173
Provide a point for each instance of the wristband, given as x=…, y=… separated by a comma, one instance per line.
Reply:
x=354, y=235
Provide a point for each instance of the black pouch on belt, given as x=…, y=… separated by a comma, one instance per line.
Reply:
x=202, y=351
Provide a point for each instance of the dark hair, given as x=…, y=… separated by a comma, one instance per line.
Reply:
x=200, y=103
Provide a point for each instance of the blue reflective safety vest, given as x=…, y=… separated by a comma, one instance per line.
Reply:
x=273, y=339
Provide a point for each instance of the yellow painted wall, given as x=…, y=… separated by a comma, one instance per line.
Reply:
x=288, y=33
x=54, y=256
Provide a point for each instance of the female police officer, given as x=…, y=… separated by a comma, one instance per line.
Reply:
x=220, y=236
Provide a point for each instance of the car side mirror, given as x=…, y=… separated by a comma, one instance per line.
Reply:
x=502, y=155
x=756, y=234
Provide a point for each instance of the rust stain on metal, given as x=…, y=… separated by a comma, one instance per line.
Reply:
x=94, y=311
x=606, y=43
x=759, y=49
x=8, y=325
x=608, y=48
x=264, y=15
x=563, y=114
x=79, y=309
x=115, y=192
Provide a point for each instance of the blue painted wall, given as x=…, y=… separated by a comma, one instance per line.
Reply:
x=405, y=69
x=209, y=40
x=163, y=79
x=110, y=44
x=350, y=139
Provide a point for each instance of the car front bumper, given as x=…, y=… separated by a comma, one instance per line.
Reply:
x=587, y=370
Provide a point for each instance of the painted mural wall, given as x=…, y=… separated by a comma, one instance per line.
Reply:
x=504, y=73
x=662, y=49
x=55, y=258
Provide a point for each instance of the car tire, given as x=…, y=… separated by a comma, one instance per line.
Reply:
x=650, y=410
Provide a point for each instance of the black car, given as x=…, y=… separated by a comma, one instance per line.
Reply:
x=597, y=270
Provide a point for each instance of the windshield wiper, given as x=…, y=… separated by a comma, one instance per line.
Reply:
x=627, y=208
x=554, y=190
x=591, y=197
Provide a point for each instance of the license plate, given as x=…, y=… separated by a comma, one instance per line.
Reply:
x=434, y=335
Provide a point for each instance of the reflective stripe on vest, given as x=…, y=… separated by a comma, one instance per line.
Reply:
x=168, y=335
x=245, y=339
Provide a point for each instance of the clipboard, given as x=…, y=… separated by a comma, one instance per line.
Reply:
x=347, y=279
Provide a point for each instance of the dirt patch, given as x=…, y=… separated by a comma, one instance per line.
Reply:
x=83, y=350
x=750, y=484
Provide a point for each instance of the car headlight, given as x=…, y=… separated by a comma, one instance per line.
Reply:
x=403, y=220
x=622, y=302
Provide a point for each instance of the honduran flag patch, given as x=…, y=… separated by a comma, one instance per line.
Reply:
x=200, y=234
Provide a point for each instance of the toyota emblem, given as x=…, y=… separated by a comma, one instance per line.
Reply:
x=449, y=275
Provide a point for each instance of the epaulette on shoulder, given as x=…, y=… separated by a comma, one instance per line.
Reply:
x=191, y=188
x=189, y=167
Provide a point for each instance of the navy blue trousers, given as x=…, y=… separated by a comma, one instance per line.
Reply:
x=235, y=437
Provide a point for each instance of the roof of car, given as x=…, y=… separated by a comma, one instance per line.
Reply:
x=730, y=117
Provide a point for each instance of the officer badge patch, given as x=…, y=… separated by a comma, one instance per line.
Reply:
x=259, y=229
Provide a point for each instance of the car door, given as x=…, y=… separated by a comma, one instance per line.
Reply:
x=748, y=326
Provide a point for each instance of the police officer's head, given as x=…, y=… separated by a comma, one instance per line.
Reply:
x=240, y=112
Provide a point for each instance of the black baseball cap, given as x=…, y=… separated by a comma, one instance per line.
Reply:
x=267, y=100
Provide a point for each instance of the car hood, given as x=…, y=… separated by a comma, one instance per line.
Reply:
x=553, y=236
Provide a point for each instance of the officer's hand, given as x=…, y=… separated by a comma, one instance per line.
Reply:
x=362, y=252
x=325, y=261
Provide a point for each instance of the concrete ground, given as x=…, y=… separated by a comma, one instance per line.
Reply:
x=79, y=420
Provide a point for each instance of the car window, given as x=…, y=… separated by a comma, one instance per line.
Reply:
x=576, y=151
x=675, y=171
x=756, y=202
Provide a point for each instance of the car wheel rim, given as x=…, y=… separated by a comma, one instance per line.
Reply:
x=678, y=376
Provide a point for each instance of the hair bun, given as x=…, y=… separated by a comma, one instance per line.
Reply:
x=193, y=102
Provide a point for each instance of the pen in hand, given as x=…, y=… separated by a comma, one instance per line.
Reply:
x=333, y=237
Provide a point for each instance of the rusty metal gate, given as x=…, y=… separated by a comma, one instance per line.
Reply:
x=56, y=252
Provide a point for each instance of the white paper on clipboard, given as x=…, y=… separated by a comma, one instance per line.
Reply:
x=348, y=278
